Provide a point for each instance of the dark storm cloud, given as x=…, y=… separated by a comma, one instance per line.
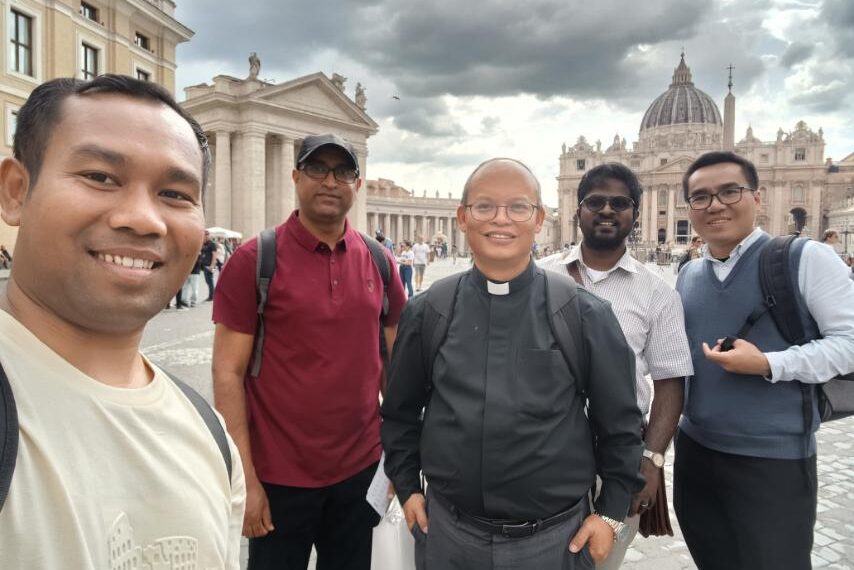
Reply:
x=839, y=16
x=796, y=53
x=547, y=47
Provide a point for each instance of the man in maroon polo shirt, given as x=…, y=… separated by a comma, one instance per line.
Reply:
x=308, y=426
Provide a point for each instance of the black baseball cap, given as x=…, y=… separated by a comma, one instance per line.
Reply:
x=314, y=142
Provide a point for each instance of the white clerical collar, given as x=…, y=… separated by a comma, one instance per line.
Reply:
x=498, y=288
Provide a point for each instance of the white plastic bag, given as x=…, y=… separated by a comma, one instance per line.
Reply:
x=393, y=545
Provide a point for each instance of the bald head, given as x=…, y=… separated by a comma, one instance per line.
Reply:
x=499, y=166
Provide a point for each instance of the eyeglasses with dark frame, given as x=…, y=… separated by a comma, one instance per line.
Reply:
x=617, y=203
x=343, y=173
x=730, y=195
x=520, y=211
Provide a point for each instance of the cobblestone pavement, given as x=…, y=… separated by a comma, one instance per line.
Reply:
x=181, y=342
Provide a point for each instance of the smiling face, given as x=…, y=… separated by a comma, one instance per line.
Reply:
x=722, y=226
x=114, y=223
x=328, y=200
x=606, y=229
x=501, y=243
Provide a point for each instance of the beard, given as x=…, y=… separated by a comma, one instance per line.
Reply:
x=607, y=242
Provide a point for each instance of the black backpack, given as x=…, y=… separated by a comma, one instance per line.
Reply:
x=265, y=267
x=782, y=301
x=563, y=313
x=9, y=430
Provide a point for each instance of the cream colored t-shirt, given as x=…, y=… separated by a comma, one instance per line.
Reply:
x=111, y=478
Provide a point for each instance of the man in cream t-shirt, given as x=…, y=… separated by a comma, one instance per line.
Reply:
x=115, y=468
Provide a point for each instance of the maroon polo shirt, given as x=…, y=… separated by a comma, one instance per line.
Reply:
x=314, y=411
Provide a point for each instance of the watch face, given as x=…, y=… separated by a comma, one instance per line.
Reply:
x=656, y=458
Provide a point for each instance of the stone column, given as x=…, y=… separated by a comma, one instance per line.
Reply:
x=671, y=215
x=248, y=204
x=778, y=216
x=274, y=210
x=221, y=211
x=653, y=216
x=287, y=165
x=358, y=215
x=644, y=217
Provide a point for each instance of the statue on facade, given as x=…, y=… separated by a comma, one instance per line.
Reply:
x=598, y=145
x=780, y=134
x=623, y=144
x=254, y=65
x=361, y=99
x=563, y=148
x=338, y=81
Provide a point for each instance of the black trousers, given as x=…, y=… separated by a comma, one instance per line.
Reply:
x=209, y=281
x=744, y=513
x=337, y=520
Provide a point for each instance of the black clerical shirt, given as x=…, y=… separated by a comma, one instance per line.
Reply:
x=504, y=434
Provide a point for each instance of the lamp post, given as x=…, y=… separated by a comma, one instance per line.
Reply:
x=845, y=232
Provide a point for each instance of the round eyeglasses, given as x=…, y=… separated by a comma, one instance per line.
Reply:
x=731, y=195
x=617, y=203
x=342, y=173
x=487, y=211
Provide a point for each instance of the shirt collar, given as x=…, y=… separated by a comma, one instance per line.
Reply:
x=515, y=285
x=737, y=250
x=307, y=240
x=626, y=262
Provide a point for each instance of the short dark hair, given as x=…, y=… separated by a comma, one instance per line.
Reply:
x=43, y=111
x=479, y=167
x=720, y=157
x=597, y=176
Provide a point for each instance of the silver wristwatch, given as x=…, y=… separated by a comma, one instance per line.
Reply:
x=615, y=525
x=656, y=458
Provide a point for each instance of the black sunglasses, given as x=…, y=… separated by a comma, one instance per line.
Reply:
x=617, y=203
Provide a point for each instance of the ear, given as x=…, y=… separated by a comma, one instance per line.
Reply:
x=295, y=175
x=461, y=218
x=14, y=183
x=358, y=185
x=539, y=218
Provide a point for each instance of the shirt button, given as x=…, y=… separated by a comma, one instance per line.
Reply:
x=332, y=261
x=334, y=282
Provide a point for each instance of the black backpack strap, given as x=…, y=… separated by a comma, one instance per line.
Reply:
x=211, y=421
x=565, y=321
x=381, y=261
x=8, y=436
x=265, y=267
x=438, y=311
x=780, y=286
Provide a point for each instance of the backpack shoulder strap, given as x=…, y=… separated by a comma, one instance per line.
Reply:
x=265, y=267
x=565, y=321
x=8, y=436
x=780, y=287
x=211, y=421
x=381, y=261
x=438, y=311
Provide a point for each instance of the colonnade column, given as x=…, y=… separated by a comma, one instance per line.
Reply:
x=221, y=214
x=671, y=215
x=359, y=211
x=644, y=218
x=653, y=216
x=287, y=165
x=249, y=180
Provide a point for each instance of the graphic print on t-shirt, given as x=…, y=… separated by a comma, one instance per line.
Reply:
x=169, y=553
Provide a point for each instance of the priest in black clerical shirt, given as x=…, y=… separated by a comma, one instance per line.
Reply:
x=505, y=444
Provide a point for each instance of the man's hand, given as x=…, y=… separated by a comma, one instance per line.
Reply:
x=598, y=533
x=256, y=520
x=414, y=512
x=744, y=358
x=646, y=498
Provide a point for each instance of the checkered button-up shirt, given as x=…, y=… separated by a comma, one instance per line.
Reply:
x=649, y=312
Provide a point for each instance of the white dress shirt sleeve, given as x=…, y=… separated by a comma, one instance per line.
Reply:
x=829, y=295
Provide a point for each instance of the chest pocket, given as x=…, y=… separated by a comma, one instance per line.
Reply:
x=542, y=382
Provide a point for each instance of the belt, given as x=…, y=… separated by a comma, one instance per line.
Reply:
x=511, y=528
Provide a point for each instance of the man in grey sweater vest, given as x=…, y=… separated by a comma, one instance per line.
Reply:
x=745, y=471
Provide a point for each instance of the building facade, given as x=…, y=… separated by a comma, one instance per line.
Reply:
x=255, y=130
x=402, y=215
x=45, y=39
x=795, y=181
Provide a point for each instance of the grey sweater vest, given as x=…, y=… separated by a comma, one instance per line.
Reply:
x=736, y=413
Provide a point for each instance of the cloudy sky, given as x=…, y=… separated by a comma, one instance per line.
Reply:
x=507, y=78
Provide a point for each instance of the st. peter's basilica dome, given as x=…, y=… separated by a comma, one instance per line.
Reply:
x=681, y=103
